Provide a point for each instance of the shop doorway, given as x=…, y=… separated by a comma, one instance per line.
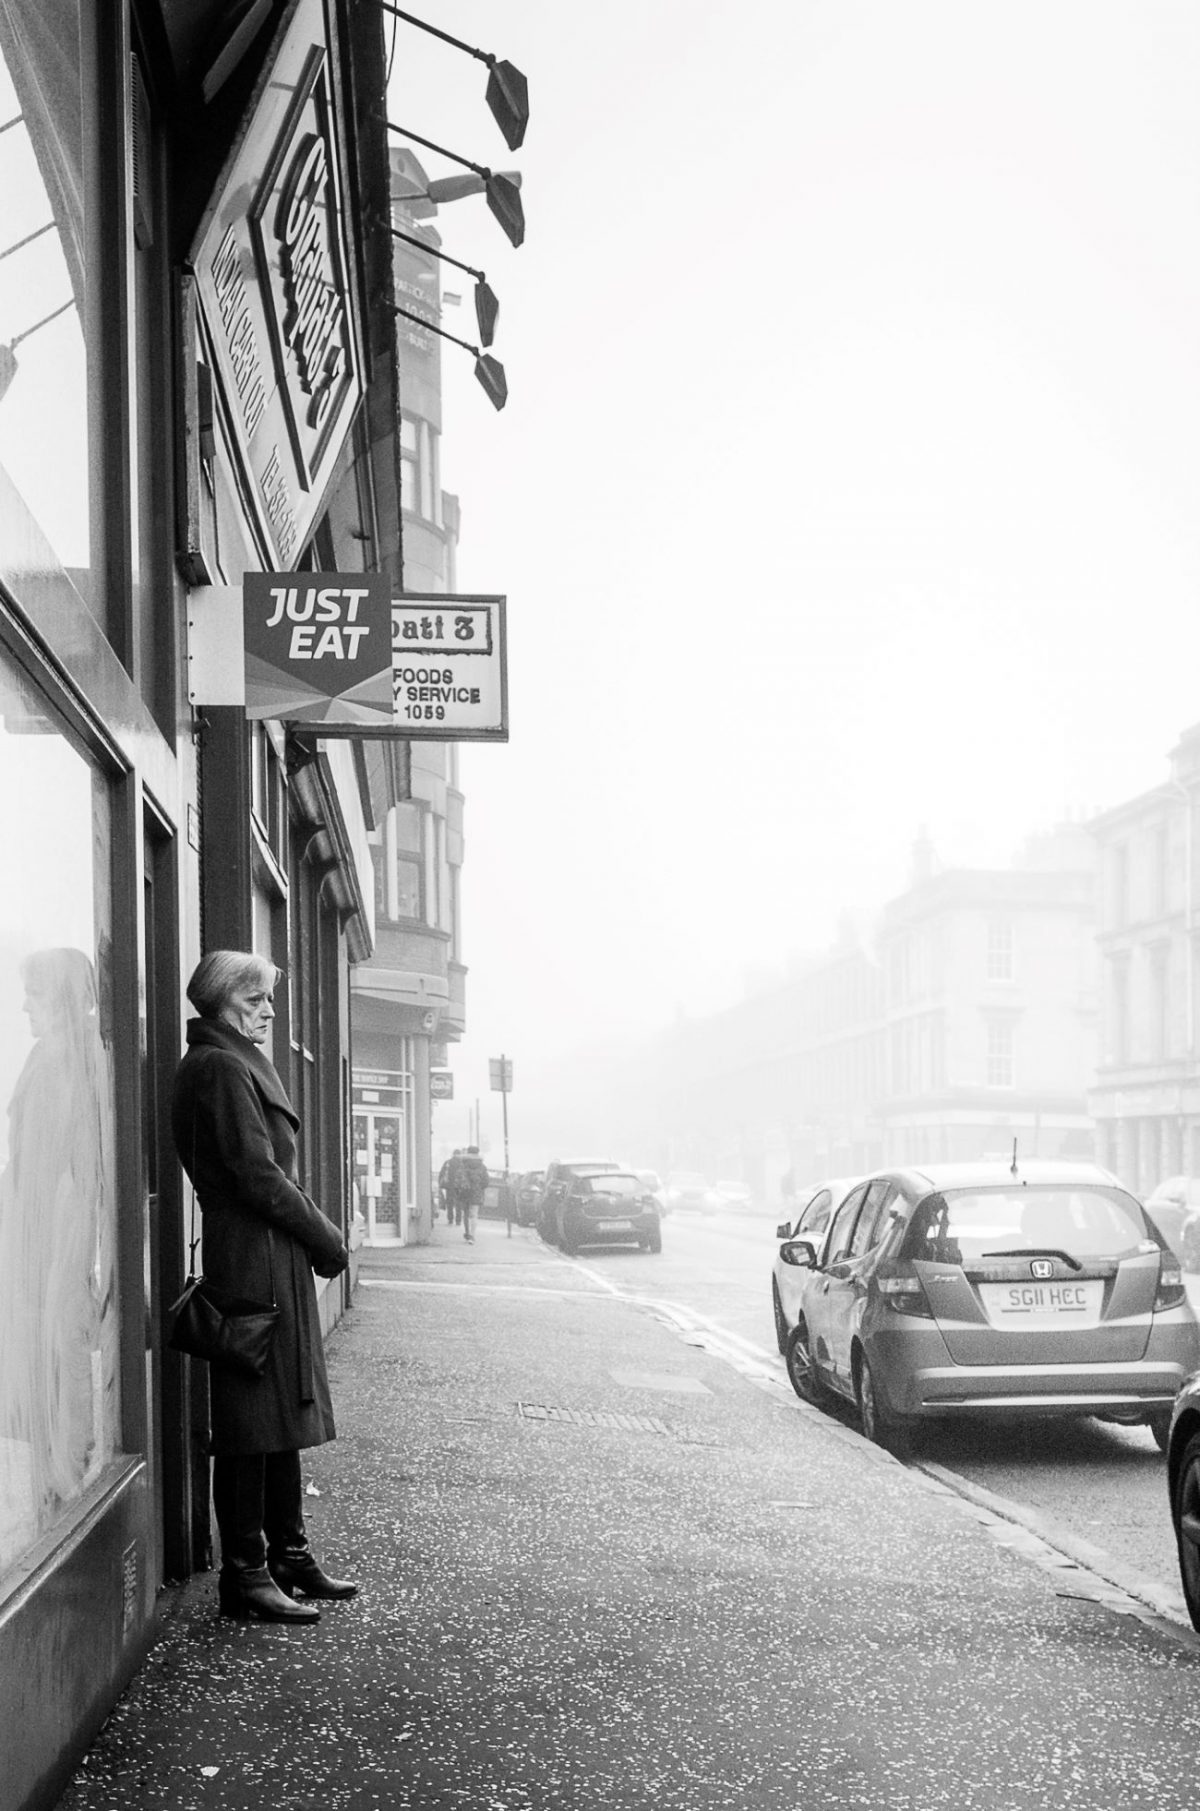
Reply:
x=380, y=1173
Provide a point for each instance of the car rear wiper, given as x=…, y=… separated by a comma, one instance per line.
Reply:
x=1036, y=1251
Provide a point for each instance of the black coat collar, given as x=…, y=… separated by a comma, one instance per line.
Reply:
x=214, y=1033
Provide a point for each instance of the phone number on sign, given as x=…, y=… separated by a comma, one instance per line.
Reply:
x=422, y=693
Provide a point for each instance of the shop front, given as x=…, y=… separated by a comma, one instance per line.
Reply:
x=192, y=387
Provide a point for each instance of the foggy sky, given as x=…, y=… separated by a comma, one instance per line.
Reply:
x=848, y=480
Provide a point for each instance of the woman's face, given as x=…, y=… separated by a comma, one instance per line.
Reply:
x=249, y=1009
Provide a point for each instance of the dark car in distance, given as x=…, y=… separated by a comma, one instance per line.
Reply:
x=557, y=1179
x=610, y=1207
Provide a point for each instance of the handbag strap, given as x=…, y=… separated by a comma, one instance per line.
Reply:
x=193, y=1237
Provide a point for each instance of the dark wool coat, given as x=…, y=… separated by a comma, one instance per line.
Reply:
x=235, y=1132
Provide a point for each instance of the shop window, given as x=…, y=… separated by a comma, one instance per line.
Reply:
x=43, y=350
x=59, y=1392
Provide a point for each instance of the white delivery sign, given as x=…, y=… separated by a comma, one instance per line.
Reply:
x=449, y=668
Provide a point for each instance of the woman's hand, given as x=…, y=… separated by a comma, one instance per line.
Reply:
x=330, y=1266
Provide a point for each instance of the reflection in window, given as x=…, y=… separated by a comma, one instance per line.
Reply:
x=43, y=385
x=58, y=1311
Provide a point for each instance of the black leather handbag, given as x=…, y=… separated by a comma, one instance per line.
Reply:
x=225, y=1330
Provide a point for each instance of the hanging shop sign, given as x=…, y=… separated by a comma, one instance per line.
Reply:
x=337, y=650
x=450, y=668
x=441, y=1084
x=272, y=272
x=318, y=648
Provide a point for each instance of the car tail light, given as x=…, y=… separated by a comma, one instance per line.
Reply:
x=905, y=1295
x=1171, y=1289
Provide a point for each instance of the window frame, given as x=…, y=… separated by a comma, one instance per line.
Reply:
x=848, y=1213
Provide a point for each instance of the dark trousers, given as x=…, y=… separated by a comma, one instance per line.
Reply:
x=259, y=1507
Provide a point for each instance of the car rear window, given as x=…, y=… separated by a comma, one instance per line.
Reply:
x=962, y=1226
x=616, y=1185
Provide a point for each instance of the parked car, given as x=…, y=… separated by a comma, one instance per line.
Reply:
x=1174, y=1207
x=687, y=1188
x=734, y=1195
x=558, y=1174
x=980, y=1289
x=607, y=1207
x=654, y=1184
x=528, y=1189
x=1183, y=1485
x=817, y=1206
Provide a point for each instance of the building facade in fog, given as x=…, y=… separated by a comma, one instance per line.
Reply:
x=990, y=1008
x=786, y=1079
x=967, y=1019
x=409, y=996
x=1146, y=1099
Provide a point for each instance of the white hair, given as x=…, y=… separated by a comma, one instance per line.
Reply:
x=222, y=972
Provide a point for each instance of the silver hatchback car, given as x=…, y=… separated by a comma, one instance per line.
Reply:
x=989, y=1289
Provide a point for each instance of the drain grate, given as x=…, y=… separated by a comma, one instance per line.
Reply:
x=616, y=1418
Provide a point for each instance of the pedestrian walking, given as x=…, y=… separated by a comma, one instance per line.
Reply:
x=475, y=1181
x=456, y=1190
x=263, y=1237
x=444, y=1198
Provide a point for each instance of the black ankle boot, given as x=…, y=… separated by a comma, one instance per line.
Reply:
x=295, y=1569
x=253, y=1596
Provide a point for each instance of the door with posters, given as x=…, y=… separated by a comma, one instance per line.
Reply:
x=379, y=1171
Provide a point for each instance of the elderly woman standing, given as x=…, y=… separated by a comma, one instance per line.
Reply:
x=235, y=1132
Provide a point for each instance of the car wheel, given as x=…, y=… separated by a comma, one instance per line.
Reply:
x=1160, y=1426
x=654, y=1242
x=802, y=1372
x=1185, y=1512
x=878, y=1423
x=781, y=1326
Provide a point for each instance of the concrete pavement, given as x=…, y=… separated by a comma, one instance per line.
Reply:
x=603, y=1566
